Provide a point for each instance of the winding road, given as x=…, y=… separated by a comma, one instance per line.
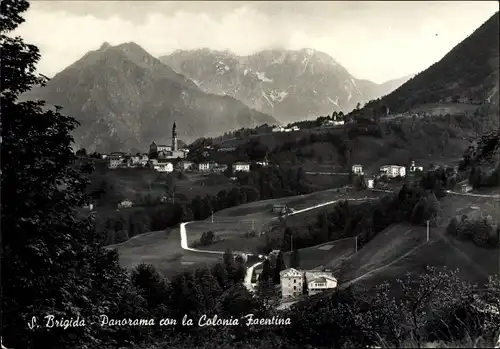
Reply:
x=248, y=276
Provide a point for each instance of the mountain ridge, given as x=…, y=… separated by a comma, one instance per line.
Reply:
x=125, y=98
x=288, y=84
x=468, y=73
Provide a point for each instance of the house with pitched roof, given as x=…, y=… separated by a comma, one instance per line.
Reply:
x=291, y=281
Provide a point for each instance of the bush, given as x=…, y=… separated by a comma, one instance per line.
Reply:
x=208, y=238
x=481, y=231
x=251, y=234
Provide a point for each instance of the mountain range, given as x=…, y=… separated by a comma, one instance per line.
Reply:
x=125, y=98
x=289, y=85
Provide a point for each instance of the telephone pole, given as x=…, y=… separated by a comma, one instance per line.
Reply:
x=253, y=225
x=428, y=230
x=212, y=216
x=356, y=244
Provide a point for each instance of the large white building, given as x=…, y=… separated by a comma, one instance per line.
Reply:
x=279, y=129
x=164, y=167
x=115, y=161
x=357, y=169
x=241, y=166
x=203, y=167
x=291, y=283
x=321, y=284
x=393, y=171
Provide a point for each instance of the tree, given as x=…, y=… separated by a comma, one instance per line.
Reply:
x=151, y=285
x=452, y=228
x=287, y=237
x=229, y=264
x=280, y=265
x=52, y=261
x=267, y=271
x=81, y=152
x=295, y=259
x=266, y=291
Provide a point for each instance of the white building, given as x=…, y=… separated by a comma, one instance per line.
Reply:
x=466, y=188
x=204, y=167
x=262, y=163
x=164, y=167
x=143, y=161
x=414, y=168
x=333, y=122
x=89, y=207
x=226, y=149
x=133, y=161
x=370, y=183
x=321, y=284
x=393, y=171
x=115, y=161
x=241, y=166
x=125, y=204
x=291, y=283
x=357, y=169
x=279, y=129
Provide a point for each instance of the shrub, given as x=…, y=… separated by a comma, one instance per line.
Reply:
x=208, y=238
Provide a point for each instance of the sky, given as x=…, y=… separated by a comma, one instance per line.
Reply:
x=378, y=41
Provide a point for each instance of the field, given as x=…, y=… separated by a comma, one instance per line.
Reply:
x=232, y=224
x=163, y=250
x=323, y=182
x=319, y=256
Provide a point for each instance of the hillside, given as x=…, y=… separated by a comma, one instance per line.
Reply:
x=289, y=85
x=467, y=74
x=124, y=98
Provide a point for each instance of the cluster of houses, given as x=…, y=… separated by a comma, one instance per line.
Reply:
x=283, y=129
x=122, y=160
x=327, y=123
x=390, y=171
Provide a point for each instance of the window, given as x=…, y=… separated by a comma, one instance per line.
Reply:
x=294, y=287
x=295, y=281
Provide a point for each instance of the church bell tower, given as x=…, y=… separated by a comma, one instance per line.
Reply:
x=174, y=137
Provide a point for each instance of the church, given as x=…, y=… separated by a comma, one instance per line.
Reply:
x=167, y=151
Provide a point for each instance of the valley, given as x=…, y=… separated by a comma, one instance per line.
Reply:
x=329, y=169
